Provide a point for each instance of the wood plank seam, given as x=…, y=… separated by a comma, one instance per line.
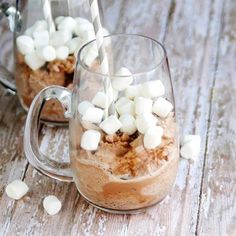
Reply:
x=209, y=117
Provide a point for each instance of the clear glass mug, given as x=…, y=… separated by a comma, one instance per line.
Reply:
x=125, y=160
x=44, y=56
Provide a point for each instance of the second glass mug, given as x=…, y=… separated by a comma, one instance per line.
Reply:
x=126, y=160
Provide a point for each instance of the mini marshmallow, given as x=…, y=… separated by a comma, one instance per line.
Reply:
x=90, y=140
x=126, y=108
x=74, y=44
x=34, y=61
x=67, y=23
x=16, y=189
x=145, y=121
x=152, y=137
x=121, y=83
x=47, y=53
x=38, y=26
x=51, y=204
x=143, y=105
x=191, y=147
x=110, y=125
x=83, y=106
x=81, y=21
x=128, y=124
x=59, y=19
x=93, y=114
x=121, y=101
x=60, y=38
x=62, y=52
x=82, y=27
x=41, y=39
x=25, y=44
x=154, y=88
x=99, y=100
x=162, y=107
x=133, y=91
x=88, y=36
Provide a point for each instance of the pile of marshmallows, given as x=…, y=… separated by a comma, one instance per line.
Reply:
x=17, y=189
x=138, y=109
x=39, y=46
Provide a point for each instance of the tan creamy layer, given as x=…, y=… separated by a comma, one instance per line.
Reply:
x=122, y=174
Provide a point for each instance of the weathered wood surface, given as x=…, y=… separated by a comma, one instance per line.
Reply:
x=200, y=40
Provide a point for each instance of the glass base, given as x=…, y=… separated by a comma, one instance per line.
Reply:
x=116, y=211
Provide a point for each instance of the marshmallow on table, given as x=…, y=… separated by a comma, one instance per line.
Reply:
x=34, y=61
x=142, y=105
x=145, y=121
x=41, y=39
x=47, y=53
x=133, y=91
x=154, y=88
x=162, y=107
x=191, y=146
x=25, y=44
x=74, y=44
x=83, y=106
x=93, y=115
x=60, y=38
x=152, y=137
x=110, y=125
x=62, y=52
x=16, y=189
x=67, y=23
x=122, y=82
x=90, y=140
x=51, y=204
x=128, y=124
x=126, y=108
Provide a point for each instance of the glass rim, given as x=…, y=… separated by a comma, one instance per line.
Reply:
x=83, y=65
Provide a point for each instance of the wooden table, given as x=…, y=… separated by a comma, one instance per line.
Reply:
x=200, y=37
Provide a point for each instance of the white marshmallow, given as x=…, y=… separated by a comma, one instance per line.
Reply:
x=143, y=105
x=133, y=91
x=16, y=189
x=60, y=38
x=88, y=36
x=74, y=44
x=47, y=53
x=99, y=100
x=110, y=125
x=62, y=52
x=152, y=137
x=38, y=26
x=41, y=39
x=162, y=107
x=93, y=114
x=83, y=106
x=126, y=108
x=34, y=61
x=121, y=101
x=81, y=21
x=191, y=147
x=154, y=88
x=51, y=204
x=145, y=121
x=67, y=23
x=25, y=44
x=90, y=140
x=128, y=124
x=121, y=83
x=82, y=27
x=59, y=19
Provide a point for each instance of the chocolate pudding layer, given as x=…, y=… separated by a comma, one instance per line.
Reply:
x=122, y=174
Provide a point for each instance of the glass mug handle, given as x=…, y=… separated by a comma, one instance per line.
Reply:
x=35, y=157
x=14, y=19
